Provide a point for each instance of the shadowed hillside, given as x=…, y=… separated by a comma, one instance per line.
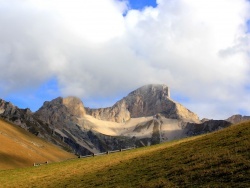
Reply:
x=20, y=148
x=219, y=159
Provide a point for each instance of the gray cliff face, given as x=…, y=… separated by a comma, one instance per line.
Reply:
x=145, y=101
x=193, y=129
x=117, y=113
x=61, y=112
x=28, y=121
x=237, y=118
x=6, y=108
x=11, y=113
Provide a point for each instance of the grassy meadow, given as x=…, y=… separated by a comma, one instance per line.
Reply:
x=219, y=159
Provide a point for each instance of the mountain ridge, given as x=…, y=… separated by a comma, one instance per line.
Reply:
x=145, y=101
x=145, y=116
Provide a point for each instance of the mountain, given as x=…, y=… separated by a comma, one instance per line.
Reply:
x=146, y=116
x=143, y=102
x=66, y=117
x=206, y=127
x=237, y=119
x=20, y=148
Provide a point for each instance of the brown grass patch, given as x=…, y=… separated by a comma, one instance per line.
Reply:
x=20, y=148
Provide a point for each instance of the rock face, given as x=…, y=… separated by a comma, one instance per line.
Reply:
x=6, y=108
x=205, y=127
x=61, y=111
x=64, y=115
x=145, y=101
x=74, y=106
x=116, y=113
x=144, y=117
x=28, y=121
x=237, y=118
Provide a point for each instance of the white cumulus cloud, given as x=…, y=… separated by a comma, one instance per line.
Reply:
x=199, y=48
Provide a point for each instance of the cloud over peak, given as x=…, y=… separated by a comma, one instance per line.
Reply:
x=199, y=48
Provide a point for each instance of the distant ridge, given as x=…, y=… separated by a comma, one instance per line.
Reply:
x=237, y=118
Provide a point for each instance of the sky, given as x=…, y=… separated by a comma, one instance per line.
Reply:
x=100, y=51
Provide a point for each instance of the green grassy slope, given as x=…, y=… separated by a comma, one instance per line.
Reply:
x=19, y=148
x=220, y=159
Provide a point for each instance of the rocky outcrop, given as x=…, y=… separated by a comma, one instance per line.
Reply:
x=7, y=108
x=205, y=127
x=26, y=119
x=74, y=106
x=117, y=113
x=20, y=117
x=63, y=115
x=237, y=118
x=145, y=101
x=61, y=112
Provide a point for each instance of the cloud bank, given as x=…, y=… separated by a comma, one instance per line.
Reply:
x=97, y=49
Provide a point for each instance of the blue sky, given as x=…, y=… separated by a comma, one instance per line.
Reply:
x=140, y=4
x=100, y=51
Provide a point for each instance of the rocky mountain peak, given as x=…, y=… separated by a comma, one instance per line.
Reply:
x=145, y=101
x=6, y=107
x=61, y=110
x=237, y=118
x=70, y=105
x=74, y=105
x=152, y=90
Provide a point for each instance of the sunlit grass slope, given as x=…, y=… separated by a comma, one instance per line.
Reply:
x=19, y=148
x=220, y=159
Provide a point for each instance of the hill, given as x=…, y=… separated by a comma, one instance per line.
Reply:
x=219, y=159
x=20, y=148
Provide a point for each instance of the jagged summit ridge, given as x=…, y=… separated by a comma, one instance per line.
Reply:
x=74, y=106
x=71, y=105
x=238, y=118
x=61, y=110
x=145, y=101
x=145, y=116
x=153, y=89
